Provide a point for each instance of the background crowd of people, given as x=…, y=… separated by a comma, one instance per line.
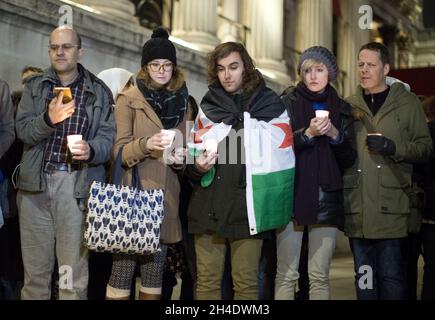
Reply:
x=363, y=165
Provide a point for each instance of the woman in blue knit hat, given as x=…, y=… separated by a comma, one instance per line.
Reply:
x=323, y=140
x=154, y=101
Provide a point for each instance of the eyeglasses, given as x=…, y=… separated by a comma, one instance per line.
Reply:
x=156, y=67
x=65, y=46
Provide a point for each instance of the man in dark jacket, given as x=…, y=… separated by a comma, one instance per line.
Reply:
x=54, y=181
x=391, y=135
x=217, y=212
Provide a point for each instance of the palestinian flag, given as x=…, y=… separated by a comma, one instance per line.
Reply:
x=270, y=170
x=204, y=129
x=270, y=164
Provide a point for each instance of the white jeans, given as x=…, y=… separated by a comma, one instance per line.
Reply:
x=321, y=246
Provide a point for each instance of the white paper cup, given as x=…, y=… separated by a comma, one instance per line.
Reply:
x=170, y=135
x=374, y=134
x=72, y=139
x=211, y=146
x=322, y=113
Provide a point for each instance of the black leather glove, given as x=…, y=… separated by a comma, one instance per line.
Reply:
x=381, y=144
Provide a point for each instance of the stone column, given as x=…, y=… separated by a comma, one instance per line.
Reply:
x=351, y=37
x=404, y=44
x=195, y=21
x=314, y=24
x=121, y=10
x=264, y=41
x=230, y=30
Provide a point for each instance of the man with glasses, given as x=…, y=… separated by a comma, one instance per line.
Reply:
x=54, y=181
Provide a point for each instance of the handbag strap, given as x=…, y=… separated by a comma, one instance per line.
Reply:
x=389, y=162
x=116, y=175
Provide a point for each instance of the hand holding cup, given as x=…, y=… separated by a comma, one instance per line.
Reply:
x=161, y=140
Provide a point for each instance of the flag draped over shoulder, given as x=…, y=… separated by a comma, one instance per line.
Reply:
x=270, y=168
x=270, y=164
x=204, y=129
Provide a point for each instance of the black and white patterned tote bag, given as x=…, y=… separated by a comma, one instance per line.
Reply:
x=123, y=219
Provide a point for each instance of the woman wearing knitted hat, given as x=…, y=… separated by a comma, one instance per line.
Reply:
x=156, y=98
x=323, y=139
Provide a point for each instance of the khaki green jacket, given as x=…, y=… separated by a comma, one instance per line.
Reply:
x=376, y=206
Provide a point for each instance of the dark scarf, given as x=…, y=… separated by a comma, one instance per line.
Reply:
x=170, y=106
x=315, y=167
x=262, y=104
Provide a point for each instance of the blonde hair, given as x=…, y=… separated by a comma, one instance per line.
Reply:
x=307, y=64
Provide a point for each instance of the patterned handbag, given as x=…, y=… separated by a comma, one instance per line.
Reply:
x=123, y=219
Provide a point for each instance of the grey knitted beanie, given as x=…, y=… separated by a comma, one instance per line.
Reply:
x=324, y=55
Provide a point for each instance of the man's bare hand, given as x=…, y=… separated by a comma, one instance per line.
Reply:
x=80, y=150
x=58, y=112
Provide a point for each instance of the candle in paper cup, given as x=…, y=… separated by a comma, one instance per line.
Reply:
x=170, y=135
x=72, y=139
x=322, y=113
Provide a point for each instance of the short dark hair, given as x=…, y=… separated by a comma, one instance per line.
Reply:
x=380, y=48
x=223, y=50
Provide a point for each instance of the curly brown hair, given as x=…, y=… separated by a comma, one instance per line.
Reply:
x=251, y=76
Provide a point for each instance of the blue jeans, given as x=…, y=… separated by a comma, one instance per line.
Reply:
x=386, y=258
x=10, y=289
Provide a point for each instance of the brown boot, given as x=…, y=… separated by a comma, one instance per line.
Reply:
x=149, y=296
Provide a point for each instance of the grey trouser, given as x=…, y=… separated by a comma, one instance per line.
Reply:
x=51, y=224
x=321, y=246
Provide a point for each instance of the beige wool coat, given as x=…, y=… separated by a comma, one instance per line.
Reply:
x=136, y=121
